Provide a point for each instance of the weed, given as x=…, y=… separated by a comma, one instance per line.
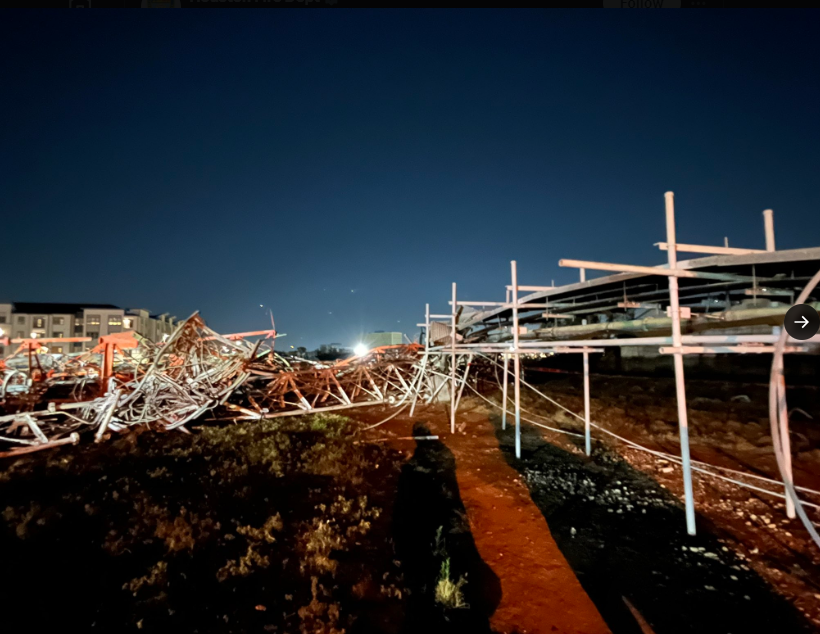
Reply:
x=332, y=424
x=318, y=617
x=273, y=523
x=157, y=576
x=321, y=539
x=252, y=558
x=448, y=593
x=178, y=535
x=439, y=548
x=340, y=525
x=22, y=519
x=246, y=564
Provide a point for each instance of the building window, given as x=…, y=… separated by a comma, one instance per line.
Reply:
x=94, y=336
x=2, y=319
x=114, y=320
x=57, y=321
x=21, y=320
x=57, y=335
x=76, y=345
x=128, y=322
x=57, y=350
x=39, y=322
x=92, y=320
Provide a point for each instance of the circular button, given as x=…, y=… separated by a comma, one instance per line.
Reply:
x=801, y=321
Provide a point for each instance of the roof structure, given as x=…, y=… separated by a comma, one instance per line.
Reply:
x=57, y=308
x=723, y=281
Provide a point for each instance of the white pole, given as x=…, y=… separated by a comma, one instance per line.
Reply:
x=453, y=366
x=506, y=381
x=426, y=354
x=464, y=379
x=785, y=442
x=516, y=360
x=587, y=439
x=768, y=225
x=680, y=388
x=583, y=273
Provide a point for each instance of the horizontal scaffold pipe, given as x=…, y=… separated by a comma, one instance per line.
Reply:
x=663, y=325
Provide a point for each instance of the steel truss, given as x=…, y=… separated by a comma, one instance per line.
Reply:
x=197, y=371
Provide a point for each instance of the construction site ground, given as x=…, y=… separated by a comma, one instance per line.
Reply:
x=314, y=525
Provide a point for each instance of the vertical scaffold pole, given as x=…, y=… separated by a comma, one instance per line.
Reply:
x=516, y=359
x=587, y=439
x=464, y=379
x=785, y=443
x=426, y=327
x=453, y=365
x=680, y=388
x=504, y=390
x=425, y=358
x=768, y=226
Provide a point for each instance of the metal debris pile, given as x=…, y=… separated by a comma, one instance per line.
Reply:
x=127, y=380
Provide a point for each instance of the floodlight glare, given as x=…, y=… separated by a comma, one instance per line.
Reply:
x=360, y=350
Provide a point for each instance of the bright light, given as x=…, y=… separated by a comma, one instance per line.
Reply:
x=360, y=350
x=34, y=335
x=2, y=332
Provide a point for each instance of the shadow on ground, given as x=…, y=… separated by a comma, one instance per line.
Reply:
x=430, y=527
x=624, y=536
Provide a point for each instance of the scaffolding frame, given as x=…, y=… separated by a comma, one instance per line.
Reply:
x=678, y=345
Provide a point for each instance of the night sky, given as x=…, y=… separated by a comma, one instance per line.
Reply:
x=344, y=167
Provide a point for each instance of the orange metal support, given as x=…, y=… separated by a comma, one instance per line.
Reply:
x=108, y=346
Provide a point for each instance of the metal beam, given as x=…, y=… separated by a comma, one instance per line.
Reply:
x=680, y=388
x=653, y=270
x=697, y=248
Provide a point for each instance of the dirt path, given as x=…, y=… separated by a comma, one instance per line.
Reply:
x=540, y=592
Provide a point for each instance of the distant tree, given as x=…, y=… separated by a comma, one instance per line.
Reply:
x=302, y=351
x=330, y=353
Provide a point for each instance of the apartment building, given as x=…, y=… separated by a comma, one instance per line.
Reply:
x=21, y=320
x=381, y=338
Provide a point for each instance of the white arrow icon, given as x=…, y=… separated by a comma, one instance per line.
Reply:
x=805, y=322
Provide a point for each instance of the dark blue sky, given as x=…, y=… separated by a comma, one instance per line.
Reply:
x=219, y=160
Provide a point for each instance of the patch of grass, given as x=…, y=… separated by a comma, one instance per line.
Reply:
x=157, y=576
x=336, y=527
x=333, y=424
x=448, y=592
x=319, y=617
x=253, y=558
x=189, y=528
x=21, y=519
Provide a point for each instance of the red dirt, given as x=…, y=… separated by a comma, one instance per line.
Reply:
x=540, y=592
